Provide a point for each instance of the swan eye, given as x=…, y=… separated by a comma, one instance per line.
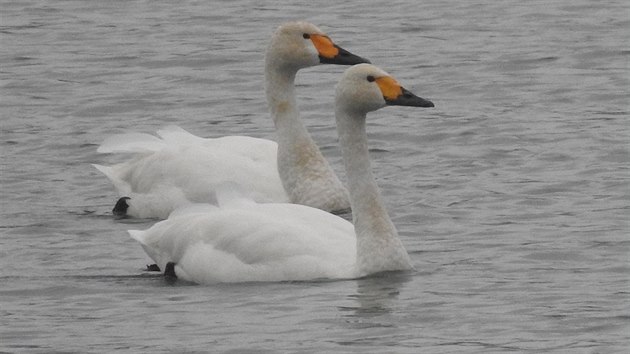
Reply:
x=306, y=36
x=370, y=78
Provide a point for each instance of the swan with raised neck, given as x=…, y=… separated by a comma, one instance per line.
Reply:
x=241, y=240
x=179, y=168
x=306, y=175
x=364, y=88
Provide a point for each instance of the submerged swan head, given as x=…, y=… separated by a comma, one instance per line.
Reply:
x=297, y=45
x=364, y=88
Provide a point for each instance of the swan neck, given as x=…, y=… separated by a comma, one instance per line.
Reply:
x=378, y=246
x=364, y=192
x=280, y=90
x=302, y=168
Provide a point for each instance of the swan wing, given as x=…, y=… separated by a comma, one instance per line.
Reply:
x=179, y=167
x=175, y=135
x=198, y=170
x=131, y=143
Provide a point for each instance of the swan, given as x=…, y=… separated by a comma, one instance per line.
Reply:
x=176, y=168
x=240, y=240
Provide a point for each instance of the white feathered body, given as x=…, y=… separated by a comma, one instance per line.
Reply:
x=179, y=168
x=240, y=240
x=245, y=241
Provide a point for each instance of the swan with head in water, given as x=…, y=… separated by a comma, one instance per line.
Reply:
x=241, y=240
x=179, y=168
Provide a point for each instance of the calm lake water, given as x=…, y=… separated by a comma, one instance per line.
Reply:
x=512, y=196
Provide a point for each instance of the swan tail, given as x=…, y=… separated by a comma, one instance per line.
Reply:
x=131, y=143
x=138, y=235
x=121, y=186
x=106, y=170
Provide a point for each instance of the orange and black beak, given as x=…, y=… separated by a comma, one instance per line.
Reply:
x=396, y=95
x=330, y=53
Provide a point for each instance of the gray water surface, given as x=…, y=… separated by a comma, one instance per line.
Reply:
x=512, y=195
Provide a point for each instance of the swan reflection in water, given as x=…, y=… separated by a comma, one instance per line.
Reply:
x=377, y=294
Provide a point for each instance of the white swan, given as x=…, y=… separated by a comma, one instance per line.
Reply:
x=179, y=168
x=241, y=240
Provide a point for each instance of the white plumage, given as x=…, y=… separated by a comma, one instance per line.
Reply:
x=177, y=168
x=241, y=240
x=245, y=241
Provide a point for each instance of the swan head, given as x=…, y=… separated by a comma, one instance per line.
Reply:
x=366, y=88
x=298, y=45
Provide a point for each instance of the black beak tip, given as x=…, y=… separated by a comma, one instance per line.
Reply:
x=344, y=57
x=411, y=100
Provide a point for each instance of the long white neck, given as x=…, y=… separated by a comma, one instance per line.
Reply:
x=305, y=174
x=378, y=246
x=280, y=90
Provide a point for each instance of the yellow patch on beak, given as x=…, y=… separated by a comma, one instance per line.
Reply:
x=324, y=46
x=390, y=88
